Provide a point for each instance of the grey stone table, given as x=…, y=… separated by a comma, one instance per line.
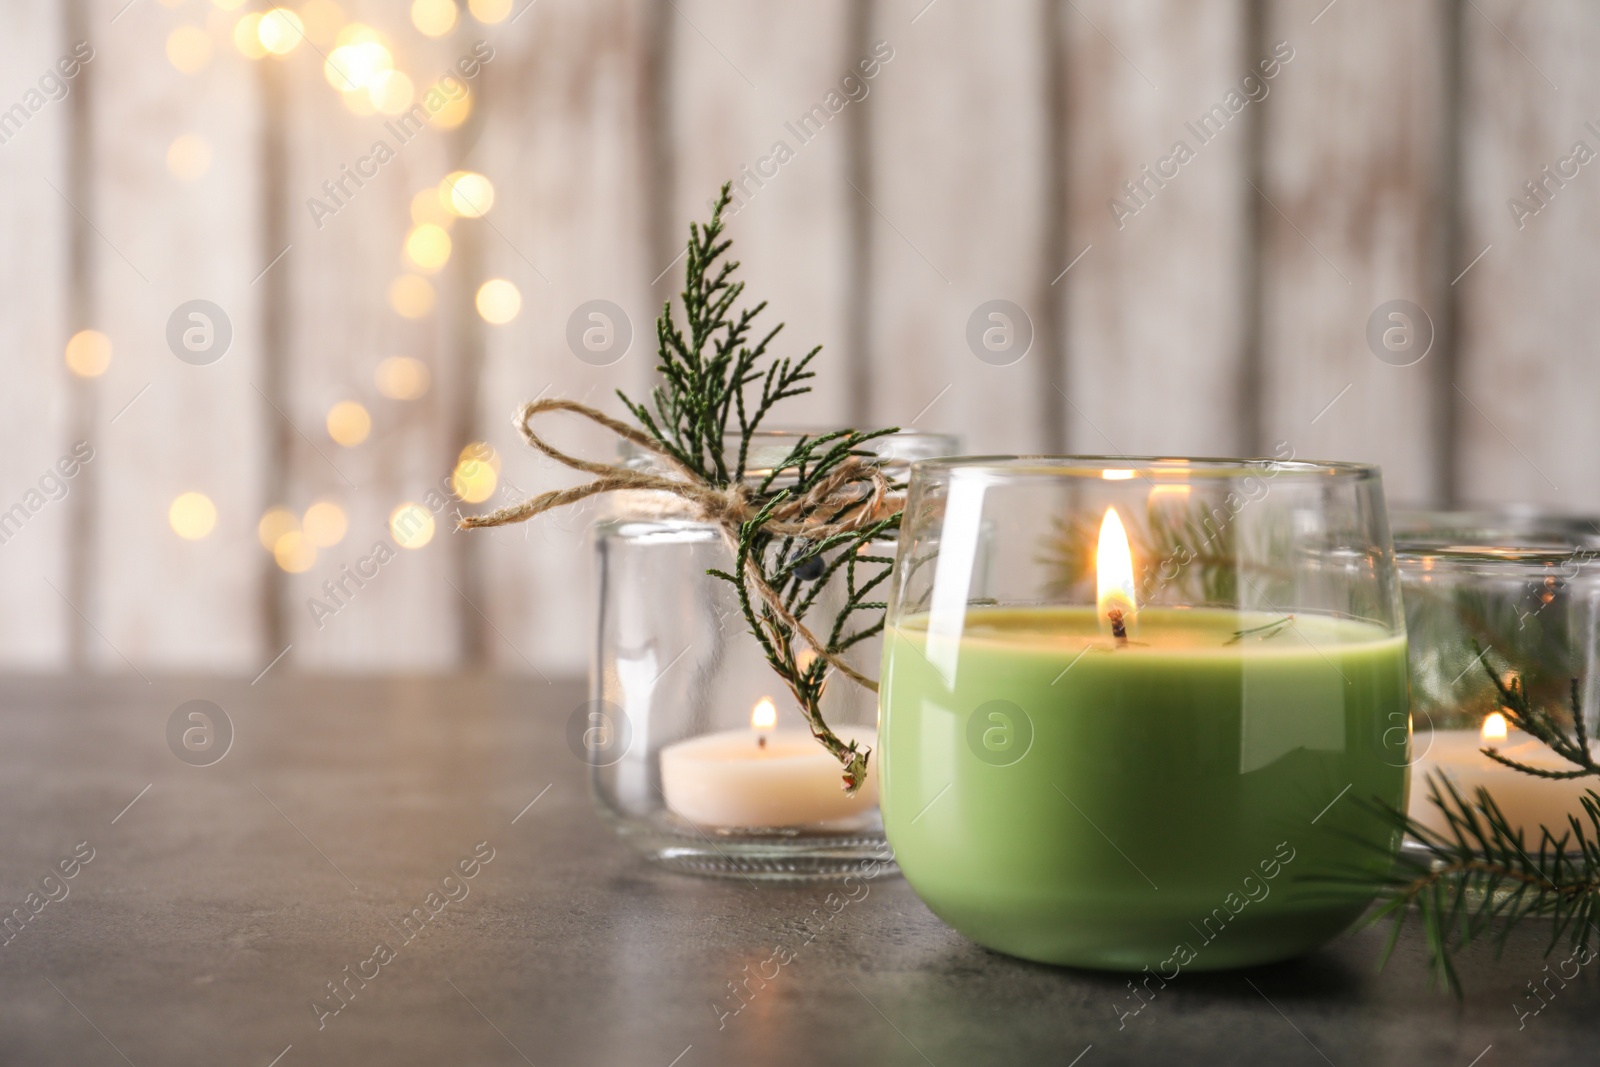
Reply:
x=217, y=903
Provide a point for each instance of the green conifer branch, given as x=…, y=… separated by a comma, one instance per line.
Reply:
x=718, y=387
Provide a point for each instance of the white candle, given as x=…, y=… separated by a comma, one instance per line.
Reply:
x=1527, y=802
x=764, y=777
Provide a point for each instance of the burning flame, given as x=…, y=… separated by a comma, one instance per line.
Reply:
x=764, y=716
x=1494, y=727
x=1113, y=570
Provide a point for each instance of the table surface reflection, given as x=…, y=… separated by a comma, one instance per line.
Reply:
x=222, y=900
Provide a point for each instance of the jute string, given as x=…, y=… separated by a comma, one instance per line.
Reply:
x=856, y=491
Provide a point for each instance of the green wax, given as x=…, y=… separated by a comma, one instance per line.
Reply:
x=1172, y=803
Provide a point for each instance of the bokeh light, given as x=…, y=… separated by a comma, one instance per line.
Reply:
x=189, y=157
x=322, y=20
x=247, y=36
x=402, y=378
x=453, y=112
x=189, y=49
x=476, y=474
x=391, y=92
x=434, y=18
x=498, y=301
x=274, y=524
x=357, y=33
x=428, y=246
x=426, y=207
x=411, y=296
x=348, y=423
x=324, y=524
x=411, y=525
x=489, y=11
x=359, y=101
x=192, y=516
x=281, y=31
x=467, y=194
x=294, y=553
x=357, y=65
x=88, y=353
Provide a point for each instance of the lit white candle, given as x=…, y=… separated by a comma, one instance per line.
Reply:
x=1527, y=802
x=763, y=776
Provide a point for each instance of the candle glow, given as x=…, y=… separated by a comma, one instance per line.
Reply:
x=764, y=716
x=1114, y=573
x=1494, y=727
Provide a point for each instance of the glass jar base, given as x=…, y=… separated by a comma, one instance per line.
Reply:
x=773, y=856
x=830, y=864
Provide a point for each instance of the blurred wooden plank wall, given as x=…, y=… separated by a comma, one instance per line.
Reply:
x=935, y=156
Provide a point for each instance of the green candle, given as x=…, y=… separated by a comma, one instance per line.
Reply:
x=1171, y=801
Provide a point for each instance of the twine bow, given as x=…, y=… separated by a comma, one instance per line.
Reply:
x=856, y=492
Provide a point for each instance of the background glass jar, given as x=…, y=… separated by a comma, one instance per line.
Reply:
x=701, y=758
x=1135, y=710
x=1507, y=595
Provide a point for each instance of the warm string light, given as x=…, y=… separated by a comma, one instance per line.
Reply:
x=466, y=194
x=247, y=36
x=324, y=524
x=411, y=296
x=476, y=474
x=428, y=246
x=411, y=525
x=391, y=92
x=1494, y=728
x=434, y=18
x=281, y=31
x=192, y=516
x=498, y=301
x=349, y=423
x=359, y=64
x=294, y=553
x=88, y=353
x=293, y=540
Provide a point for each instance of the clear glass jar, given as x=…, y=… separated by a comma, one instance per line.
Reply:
x=1518, y=589
x=678, y=681
x=1508, y=595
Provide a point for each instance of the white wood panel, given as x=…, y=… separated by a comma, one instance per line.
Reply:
x=1529, y=378
x=35, y=388
x=406, y=615
x=564, y=141
x=759, y=98
x=160, y=601
x=1154, y=309
x=957, y=135
x=955, y=186
x=1352, y=219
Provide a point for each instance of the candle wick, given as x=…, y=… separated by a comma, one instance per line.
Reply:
x=761, y=740
x=1118, y=629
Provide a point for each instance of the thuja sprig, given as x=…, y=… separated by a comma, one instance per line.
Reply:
x=705, y=371
x=713, y=398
